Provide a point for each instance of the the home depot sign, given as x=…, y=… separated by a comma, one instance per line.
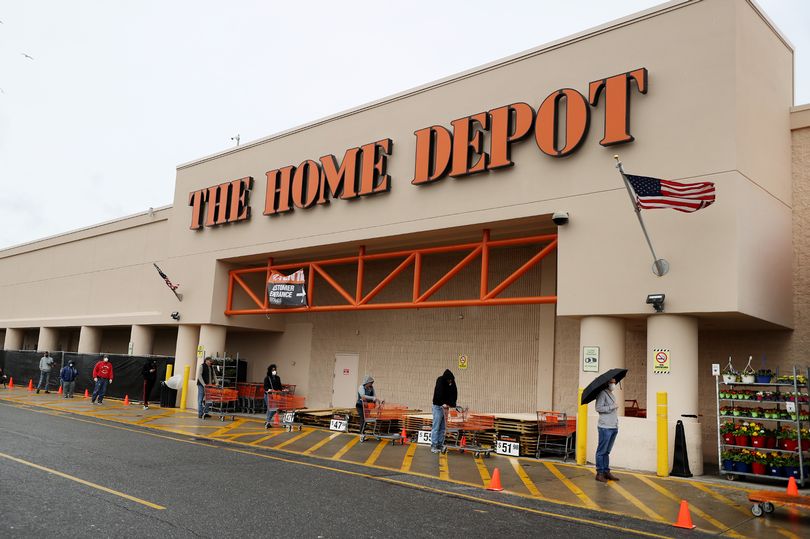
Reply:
x=473, y=144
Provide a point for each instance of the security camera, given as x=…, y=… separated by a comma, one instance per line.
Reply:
x=175, y=315
x=560, y=218
x=657, y=301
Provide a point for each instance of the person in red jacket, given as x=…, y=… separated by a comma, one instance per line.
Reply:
x=102, y=376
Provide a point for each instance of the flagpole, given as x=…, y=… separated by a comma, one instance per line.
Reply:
x=660, y=266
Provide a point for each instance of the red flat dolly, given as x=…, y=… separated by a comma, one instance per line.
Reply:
x=764, y=501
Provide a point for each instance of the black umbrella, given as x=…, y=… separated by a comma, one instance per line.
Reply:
x=601, y=382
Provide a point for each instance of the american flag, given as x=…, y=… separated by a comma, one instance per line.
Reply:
x=166, y=278
x=652, y=193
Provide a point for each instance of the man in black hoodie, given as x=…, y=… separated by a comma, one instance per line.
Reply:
x=444, y=396
x=149, y=373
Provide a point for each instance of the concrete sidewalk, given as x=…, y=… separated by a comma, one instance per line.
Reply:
x=717, y=506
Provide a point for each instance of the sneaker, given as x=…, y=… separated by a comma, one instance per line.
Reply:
x=435, y=450
x=99, y=403
x=145, y=407
x=267, y=425
x=37, y=391
x=66, y=396
x=93, y=401
x=206, y=416
x=47, y=392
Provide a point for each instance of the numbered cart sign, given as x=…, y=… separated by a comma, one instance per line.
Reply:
x=339, y=425
x=289, y=417
x=511, y=449
x=423, y=437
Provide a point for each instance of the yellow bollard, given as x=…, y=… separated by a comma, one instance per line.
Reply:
x=663, y=433
x=582, y=430
x=169, y=371
x=184, y=393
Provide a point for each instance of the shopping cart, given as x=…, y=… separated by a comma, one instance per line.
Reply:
x=222, y=401
x=381, y=418
x=288, y=406
x=463, y=430
x=555, y=434
x=251, y=397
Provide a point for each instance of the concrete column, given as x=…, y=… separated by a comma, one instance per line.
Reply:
x=185, y=353
x=48, y=339
x=142, y=338
x=609, y=335
x=90, y=340
x=548, y=318
x=679, y=335
x=212, y=339
x=14, y=339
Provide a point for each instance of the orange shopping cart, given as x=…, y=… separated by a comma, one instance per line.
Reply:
x=382, y=418
x=288, y=406
x=555, y=434
x=464, y=429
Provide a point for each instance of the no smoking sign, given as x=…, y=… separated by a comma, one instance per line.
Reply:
x=661, y=363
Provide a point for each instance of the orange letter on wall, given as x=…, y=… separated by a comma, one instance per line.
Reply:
x=340, y=182
x=547, y=125
x=509, y=124
x=217, y=204
x=617, y=103
x=467, y=142
x=277, y=196
x=373, y=177
x=434, y=146
x=196, y=200
x=240, y=193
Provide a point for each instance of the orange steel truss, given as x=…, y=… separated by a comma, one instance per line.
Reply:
x=413, y=257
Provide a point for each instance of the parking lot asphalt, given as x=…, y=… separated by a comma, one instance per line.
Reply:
x=165, y=471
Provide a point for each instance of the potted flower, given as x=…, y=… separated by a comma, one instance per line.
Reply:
x=727, y=459
x=729, y=373
x=744, y=460
x=755, y=412
x=790, y=466
x=741, y=434
x=748, y=373
x=775, y=464
x=760, y=464
x=727, y=429
x=763, y=376
x=770, y=439
x=736, y=411
x=805, y=442
x=788, y=437
x=757, y=433
x=726, y=410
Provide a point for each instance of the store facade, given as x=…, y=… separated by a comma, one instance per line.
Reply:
x=689, y=91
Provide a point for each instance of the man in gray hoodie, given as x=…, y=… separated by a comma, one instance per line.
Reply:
x=45, y=366
x=608, y=428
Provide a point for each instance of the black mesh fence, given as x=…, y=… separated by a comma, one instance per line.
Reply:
x=127, y=380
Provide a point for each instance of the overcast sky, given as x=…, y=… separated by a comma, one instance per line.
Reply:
x=117, y=94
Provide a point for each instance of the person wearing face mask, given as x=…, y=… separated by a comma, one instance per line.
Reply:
x=102, y=376
x=608, y=427
x=272, y=383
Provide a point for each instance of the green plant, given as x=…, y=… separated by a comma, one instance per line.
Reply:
x=727, y=427
x=765, y=372
x=746, y=456
x=787, y=433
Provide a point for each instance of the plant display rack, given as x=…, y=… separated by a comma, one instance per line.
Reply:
x=775, y=399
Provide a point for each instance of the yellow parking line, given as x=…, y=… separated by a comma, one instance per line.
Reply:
x=226, y=428
x=571, y=486
x=321, y=443
x=154, y=417
x=251, y=432
x=376, y=453
x=294, y=439
x=83, y=482
x=444, y=469
x=343, y=450
x=482, y=470
x=708, y=518
x=527, y=481
x=406, y=462
x=635, y=501
x=265, y=438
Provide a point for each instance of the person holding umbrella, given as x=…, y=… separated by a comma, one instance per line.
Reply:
x=601, y=389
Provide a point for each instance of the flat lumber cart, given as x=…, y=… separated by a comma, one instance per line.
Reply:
x=556, y=434
x=288, y=407
x=223, y=401
x=464, y=430
x=382, y=418
x=765, y=501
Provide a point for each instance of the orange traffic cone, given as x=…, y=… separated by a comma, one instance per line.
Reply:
x=11, y=383
x=276, y=420
x=404, y=435
x=792, y=489
x=86, y=394
x=126, y=400
x=60, y=390
x=495, y=482
x=30, y=385
x=684, y=518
